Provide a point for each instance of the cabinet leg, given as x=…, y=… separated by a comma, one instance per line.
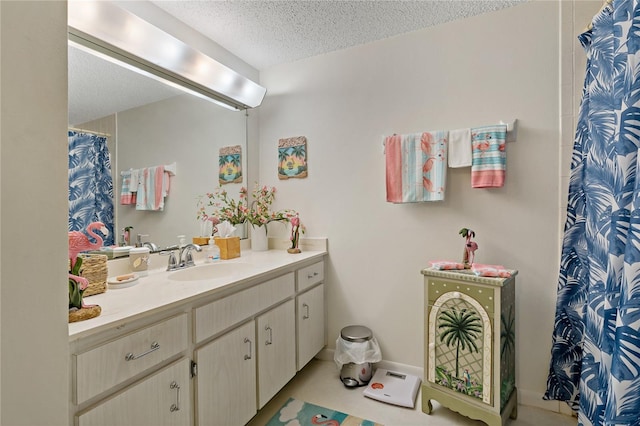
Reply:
x=514, y=412
x=428, y=407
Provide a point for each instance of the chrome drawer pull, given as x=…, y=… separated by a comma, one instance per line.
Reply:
x=315, y=274
x=154, y=347
x=270, y=340
x=305, y=316
x=246, y=340
x=176, y=406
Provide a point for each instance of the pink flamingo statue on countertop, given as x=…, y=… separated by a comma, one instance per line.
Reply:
x=470, y=247
x=79, y=242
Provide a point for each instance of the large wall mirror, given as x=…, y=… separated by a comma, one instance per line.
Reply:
x=147, y=124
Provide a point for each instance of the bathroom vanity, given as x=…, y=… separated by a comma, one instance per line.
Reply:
x=203, y=345
x=469, y=364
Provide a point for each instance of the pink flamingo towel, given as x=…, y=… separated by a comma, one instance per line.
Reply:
x=416, y=167
x=153, y=188
x=489, y=159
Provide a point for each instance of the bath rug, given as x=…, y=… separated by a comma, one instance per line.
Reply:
x=300, y=413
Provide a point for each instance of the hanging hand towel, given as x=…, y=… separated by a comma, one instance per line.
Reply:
x=152, y=189
x=489, y=162
x=460, y=148
x=127, y=196
x=416, y=167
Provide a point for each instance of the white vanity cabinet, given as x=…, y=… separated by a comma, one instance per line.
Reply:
x=310, y=318
x=163, y=399
x=215, y=359
x=276, y=350
x=228, y=372
x=226, y=379
x=106, y=365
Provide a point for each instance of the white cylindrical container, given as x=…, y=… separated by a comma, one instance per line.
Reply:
x=139, y=260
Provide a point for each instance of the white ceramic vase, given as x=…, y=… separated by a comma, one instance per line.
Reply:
x=259, y=241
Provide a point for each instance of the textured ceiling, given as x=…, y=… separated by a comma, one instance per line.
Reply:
x=266, y=33
x=263, y=34
x=98, y=88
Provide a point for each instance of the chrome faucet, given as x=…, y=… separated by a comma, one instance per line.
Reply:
x=185, y=258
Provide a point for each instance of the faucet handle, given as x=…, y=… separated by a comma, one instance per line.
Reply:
x=186, y=255
x=188, y=259
x=172, y=263
x=139, y=239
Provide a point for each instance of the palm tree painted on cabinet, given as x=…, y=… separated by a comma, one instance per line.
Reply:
x=460, y=329
x=507, y=342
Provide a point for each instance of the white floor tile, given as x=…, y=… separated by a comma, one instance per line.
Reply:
x=318, y=383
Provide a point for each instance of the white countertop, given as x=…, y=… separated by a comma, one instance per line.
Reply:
x=156, y=292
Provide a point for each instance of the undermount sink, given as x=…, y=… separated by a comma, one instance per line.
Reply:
x=209, y=271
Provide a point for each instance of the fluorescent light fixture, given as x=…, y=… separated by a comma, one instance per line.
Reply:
x=119, y=36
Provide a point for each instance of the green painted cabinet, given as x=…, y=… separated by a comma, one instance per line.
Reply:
x=469, y=364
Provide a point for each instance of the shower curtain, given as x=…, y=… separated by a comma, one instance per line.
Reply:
x=90, y=183
x=595, y=358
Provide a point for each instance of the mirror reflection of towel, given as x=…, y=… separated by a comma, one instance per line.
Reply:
x=129, y=187
x=153, y=187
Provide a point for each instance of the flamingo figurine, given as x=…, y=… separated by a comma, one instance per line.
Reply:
x=470, y=247
x=79, y=242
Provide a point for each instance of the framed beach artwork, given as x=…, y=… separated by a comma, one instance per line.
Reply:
x=230, y=165
x=292, y=158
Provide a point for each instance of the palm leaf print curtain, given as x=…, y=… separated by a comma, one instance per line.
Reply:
x=90, y=183
x=595, y=358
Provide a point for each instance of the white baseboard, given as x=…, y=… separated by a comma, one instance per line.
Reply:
x=525, y=397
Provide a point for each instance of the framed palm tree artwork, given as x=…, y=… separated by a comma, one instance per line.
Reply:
x=292, y=157
x=230, y=164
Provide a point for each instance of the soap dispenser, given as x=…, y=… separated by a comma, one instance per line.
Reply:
x=211, y=252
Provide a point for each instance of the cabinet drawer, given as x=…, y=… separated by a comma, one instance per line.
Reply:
x=310, y=275
x=224, y=313
x=105, y=366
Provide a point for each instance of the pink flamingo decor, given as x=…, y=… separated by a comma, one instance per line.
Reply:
x=296, y=229
x=470, y=247
x=320, y=419
x=79, y=242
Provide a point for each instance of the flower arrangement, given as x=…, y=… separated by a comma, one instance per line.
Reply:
x=224, y=207
x=260, y=212
x=257, y=213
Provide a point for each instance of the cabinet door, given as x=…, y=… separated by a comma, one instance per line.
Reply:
x=162, y=399
x=310, y=320
x=226, y=380
x=276, y=350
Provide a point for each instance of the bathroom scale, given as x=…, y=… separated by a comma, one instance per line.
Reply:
x=393, y=388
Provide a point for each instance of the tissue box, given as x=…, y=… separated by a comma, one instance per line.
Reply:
x=229, y=247
x=201, y=241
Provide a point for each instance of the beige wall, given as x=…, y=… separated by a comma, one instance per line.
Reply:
x=33, y=240
x=466, y=73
